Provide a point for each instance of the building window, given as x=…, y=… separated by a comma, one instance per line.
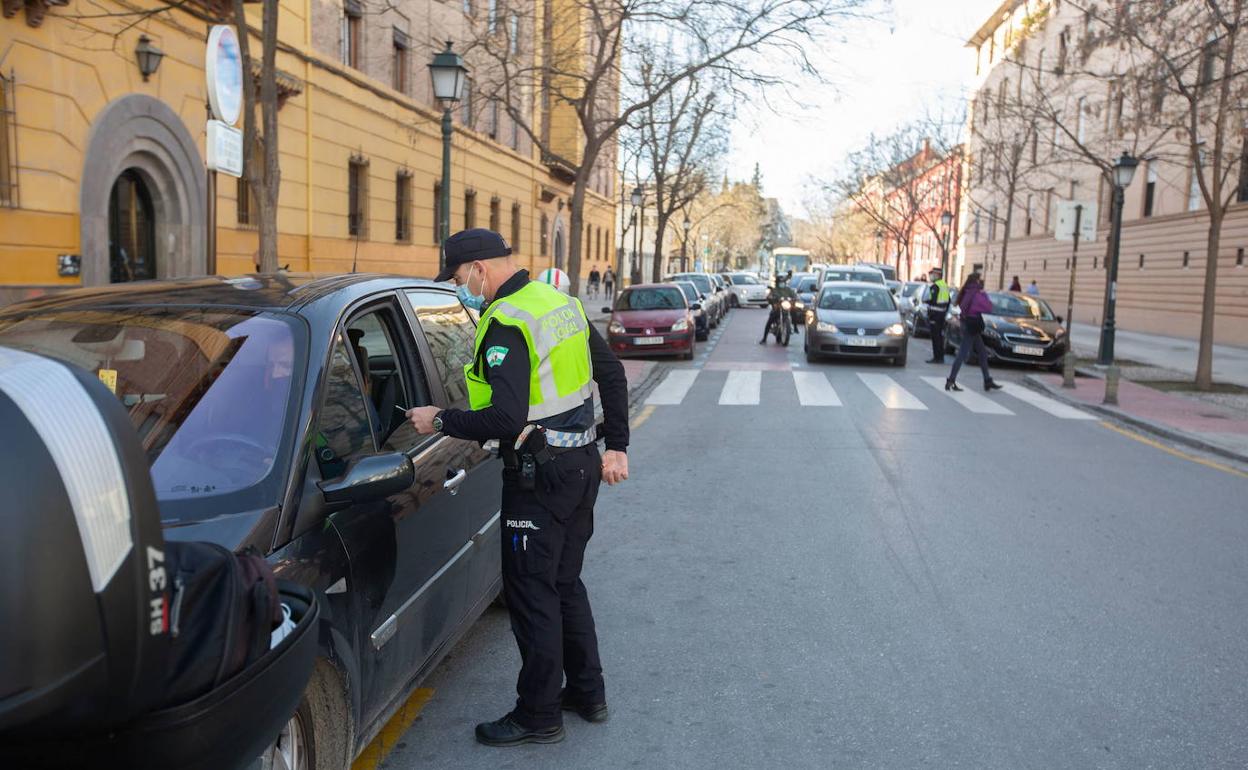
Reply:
x=357, y=197
x=992, y=224
x=470, y=209
x=492, y=16
x=403, y=206
x=496, y=223
x=352, y=33
x=1187, y=258
x=1193, y=185
x=976, y=227
x=401, y=63
x=465, y=109
x=437, y=212
x=515, y=228
x=515, y=33
x=1239, y=257
x=8, y=143
x=246, y=204
x=1079, y=119
x=1027, y=223
x=1063, y=41
x=1141, y=261
x=494, y=117
x=1150, y=189
x=469, y=8
x=515, y=131
x=1243, y=171
x=544, y=237
x=1208, y=62
x=1048, y=209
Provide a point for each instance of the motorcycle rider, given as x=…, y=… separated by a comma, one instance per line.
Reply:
x=779, y=291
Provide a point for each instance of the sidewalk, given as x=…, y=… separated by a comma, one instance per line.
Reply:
x=1230, y=364
x=1203, y=425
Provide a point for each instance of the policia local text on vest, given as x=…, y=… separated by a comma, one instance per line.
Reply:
x=530, y=383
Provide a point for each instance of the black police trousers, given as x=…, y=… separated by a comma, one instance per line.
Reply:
x=936, y=325
x=544, y=535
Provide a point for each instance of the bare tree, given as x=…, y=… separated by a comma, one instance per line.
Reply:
x=581, y=79
x=263, y=173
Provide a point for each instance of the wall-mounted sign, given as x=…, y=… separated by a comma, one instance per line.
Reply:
x=225, y=148
x=1065, y=230
x=223, y=69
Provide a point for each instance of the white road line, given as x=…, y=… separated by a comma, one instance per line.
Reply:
x=1044, y=403
x=674, y=387
x=976, y=402
x=813, y=389
x=889, y=392
x=741, y=389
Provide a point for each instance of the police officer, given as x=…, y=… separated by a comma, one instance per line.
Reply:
x=536, y=357
x=937, y=309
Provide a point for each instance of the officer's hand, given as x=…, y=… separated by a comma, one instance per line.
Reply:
x=614, y=466
x=422, y=418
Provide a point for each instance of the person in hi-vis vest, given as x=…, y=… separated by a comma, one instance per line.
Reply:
x=530, y=387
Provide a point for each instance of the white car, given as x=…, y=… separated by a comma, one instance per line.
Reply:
x=746, y=290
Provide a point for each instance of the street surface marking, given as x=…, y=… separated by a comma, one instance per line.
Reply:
x=376, y=752
x=1170, y=450
x=674, y=387
x=1044, y=403
x=813, y=389
x=641, y=417
x=892, y=395
x=741, y=389
x=968, y=398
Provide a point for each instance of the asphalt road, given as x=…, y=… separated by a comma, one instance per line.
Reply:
x=975, y=583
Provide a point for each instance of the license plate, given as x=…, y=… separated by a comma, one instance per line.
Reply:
x=648, y=341
x=862, y=342
x=1028, y=350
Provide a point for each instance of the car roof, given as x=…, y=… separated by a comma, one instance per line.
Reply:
x=269, y=291
x=659, y=285
x=853, y=285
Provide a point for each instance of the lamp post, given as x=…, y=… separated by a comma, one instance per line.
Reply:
x=684, y=244
x=639, y=214
x=1124, y=170
x=449, y=74
x=879, y=242
x=946, y=220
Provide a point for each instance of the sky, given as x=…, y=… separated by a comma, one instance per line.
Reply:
x=880, y=75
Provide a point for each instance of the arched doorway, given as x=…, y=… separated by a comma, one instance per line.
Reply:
x=131, y=230
x=559, y=248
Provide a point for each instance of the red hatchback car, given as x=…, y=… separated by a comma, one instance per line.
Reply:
x=652, y=319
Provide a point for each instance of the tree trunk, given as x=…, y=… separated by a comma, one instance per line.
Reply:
x=577, y=214
x=272, y=169
x=656, y=264
x=1204, y=355
x=1005, y=237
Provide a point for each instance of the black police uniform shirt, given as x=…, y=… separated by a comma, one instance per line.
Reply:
x=509, y=378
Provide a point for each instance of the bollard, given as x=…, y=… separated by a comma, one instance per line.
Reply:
x=1111, y=386
x=1068, y=369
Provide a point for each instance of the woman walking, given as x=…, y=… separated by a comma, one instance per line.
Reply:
x=974, y=303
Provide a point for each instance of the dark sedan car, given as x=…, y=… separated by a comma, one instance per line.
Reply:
x=270, y=411
x=1021, y=329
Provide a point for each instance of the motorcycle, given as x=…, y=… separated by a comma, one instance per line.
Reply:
x=782, y=327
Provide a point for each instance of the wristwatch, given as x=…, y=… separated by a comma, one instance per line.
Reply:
x=437, y=422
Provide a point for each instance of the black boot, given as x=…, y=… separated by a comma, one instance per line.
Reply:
x=509, y=732
x=951, y=385
x=990, y=386
x=590, y=712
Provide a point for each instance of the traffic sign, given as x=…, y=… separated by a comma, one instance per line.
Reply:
x=1065, y=230
x=223, y=70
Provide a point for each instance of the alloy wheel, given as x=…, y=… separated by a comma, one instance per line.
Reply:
x=290, y=750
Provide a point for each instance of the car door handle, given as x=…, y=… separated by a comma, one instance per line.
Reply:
x=453, y=480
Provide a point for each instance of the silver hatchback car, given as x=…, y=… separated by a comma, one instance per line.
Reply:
x=855, y=319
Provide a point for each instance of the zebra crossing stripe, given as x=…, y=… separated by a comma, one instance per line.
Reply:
x=1046, y=404
x=890, y=394
x=674, y=387
x=975, y=402
x=742, y=388
x=813, y=389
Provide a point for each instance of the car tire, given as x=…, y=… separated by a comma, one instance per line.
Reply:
x=899, y=360
x=318, y=735
x=689, y=356
x=734, y=302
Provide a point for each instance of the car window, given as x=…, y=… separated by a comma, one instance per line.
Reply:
x=697, y=279
x=651, y=299
x=1020, y=307
x=373, y=338
x=857, y=299
x=451, y=334
x=745, y=280
x=691, y=291
x=344, y=426
x=837, y=275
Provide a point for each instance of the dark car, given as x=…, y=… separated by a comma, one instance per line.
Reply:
x=855, y=319
x=270, y=411
x=1020, y=329
x=701, y=323
x=715, y=304
x=652, y=319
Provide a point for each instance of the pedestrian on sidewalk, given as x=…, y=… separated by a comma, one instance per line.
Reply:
x=974, y=303
x=530, y=387
x=594, y=279
x=1032, y=289
x=608, y=283
x=1015, y=285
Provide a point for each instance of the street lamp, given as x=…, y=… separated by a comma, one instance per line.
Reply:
x=149, y=57
x=1124, y=171
x=638, y=198
x=449, y=74
x=684, y=244
x=946, y=220
x=879, y=243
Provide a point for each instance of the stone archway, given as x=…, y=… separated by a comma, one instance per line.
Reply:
x=142, y=136
x=560, y=241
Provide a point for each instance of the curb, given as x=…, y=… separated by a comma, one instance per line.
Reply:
x=1171, y=434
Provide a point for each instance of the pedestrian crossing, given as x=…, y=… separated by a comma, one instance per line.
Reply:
x=816, y=389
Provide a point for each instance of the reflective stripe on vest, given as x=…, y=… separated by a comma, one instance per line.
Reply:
x=556, y=331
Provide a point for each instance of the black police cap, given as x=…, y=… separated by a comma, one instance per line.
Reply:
x=470, y=246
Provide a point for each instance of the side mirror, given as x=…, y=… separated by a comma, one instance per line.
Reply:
x=1060, y=319
x=371, y=478
x=606, y=310
x=696, y=306
x=703, y=296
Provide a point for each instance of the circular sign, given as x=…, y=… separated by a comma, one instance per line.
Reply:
x=223, y=68
x=557, y=278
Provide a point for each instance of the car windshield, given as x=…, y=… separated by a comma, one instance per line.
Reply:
x=912, y=288
x=744, y=280
x=658, y=298
x=1020, y=307
x=807, y=285
x=208, y=390
x=856, y=298
x=691, y=291
x=701, y=281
